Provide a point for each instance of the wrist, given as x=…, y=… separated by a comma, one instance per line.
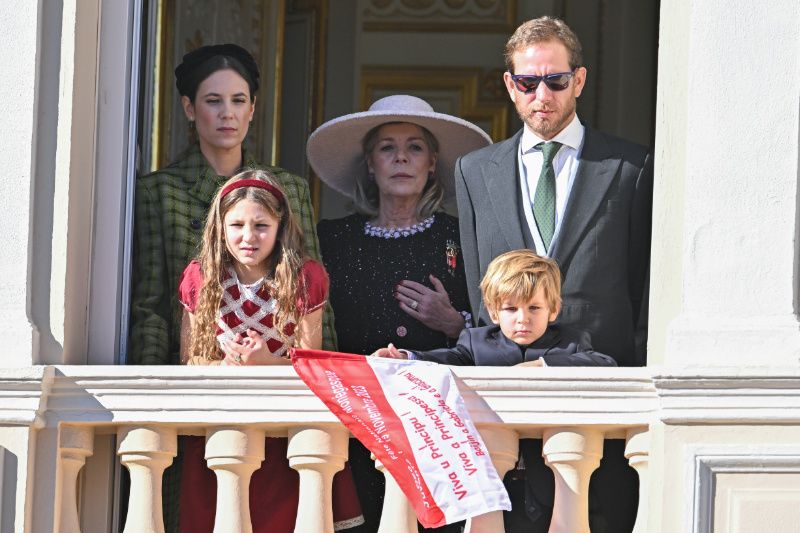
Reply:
x=409, y=355
x=455, y=324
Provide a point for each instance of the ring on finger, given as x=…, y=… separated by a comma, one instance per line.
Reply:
x=237, y=358
x=414, y=305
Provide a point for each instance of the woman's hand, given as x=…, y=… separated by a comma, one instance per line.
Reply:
x=390, y=351
x=430, y=306
x=250, y=350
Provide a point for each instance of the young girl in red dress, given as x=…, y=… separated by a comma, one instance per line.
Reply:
x=248, y=298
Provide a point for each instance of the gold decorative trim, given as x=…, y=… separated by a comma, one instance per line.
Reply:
x=270, y=64
x=463, y=82
x=319, y=102
x=280, y=28
x=162, y=100
x=318, y=10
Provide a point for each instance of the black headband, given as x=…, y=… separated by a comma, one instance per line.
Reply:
x=196, y=58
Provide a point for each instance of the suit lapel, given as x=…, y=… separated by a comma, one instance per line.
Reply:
x=508, y=352
x=502, y=183
x=597, y=169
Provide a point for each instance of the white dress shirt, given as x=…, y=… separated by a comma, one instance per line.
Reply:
x=565, y=165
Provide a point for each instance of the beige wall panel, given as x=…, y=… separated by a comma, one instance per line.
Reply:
x=681, y=502
x=757, y=502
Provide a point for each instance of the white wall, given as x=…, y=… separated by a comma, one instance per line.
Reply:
x=728, y=157
x=15, y=470
x=18, y=35
x=724, y=287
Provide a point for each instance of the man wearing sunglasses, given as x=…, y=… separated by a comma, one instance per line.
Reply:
x=579, y=196
x=566, y=191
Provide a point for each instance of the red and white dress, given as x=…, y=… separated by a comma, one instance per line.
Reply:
x=273, y=487
x=246, y=307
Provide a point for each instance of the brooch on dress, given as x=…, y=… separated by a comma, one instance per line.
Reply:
x=451, y=255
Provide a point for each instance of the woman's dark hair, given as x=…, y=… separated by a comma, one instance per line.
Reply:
x=201, y=63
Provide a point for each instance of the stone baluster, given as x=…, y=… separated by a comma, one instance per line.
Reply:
x=146, y=452
x=317, y=453
x=637, y=451
x=503, y=446
x=397, y=516
x=573, y=454
x=233, y=454
x=75, y=444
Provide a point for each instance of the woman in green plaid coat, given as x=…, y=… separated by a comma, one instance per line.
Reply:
x=217, y=86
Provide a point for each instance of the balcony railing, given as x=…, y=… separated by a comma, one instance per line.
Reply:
x=572, y=409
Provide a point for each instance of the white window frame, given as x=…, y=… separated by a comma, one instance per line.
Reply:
x=119, y=51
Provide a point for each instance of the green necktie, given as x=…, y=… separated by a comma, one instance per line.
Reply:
x=544, y=201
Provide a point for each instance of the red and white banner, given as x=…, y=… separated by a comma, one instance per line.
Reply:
x=410, y=415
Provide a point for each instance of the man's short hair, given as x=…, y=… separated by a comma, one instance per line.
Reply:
x=540, y=30
x=518, y=275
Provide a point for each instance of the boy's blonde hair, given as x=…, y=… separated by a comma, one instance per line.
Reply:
x=285, y=261
x=518, y=275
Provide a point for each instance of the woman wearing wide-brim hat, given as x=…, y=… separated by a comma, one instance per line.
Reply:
x=395, y=265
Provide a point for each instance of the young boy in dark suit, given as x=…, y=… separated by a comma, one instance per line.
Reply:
x=522, y=293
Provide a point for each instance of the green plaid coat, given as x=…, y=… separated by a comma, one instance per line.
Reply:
x=171, y=208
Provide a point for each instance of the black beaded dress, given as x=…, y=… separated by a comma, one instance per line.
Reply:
x=364, y=270
x=364, y=265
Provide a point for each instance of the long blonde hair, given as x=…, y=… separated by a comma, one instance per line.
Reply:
x=215, y=260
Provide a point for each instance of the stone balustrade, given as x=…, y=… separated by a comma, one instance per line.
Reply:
x=146, y=408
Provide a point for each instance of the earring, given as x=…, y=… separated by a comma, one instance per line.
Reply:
x=371, y=176
x=430, y=175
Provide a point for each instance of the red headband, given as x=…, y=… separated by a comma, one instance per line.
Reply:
x=238, y=184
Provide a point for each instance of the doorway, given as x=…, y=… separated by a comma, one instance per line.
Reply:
x=321, y=59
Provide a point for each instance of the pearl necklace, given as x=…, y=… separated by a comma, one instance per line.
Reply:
x=396, y=233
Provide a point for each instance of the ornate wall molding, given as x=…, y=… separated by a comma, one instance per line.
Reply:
x=715, y=396
x=468, y=93
x=23, y=395
x=705, y=463
x=489, y=16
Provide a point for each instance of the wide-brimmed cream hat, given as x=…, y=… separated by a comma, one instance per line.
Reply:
x=336, y=155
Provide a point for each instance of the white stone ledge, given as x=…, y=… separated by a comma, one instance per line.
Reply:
x=527, y=400
x=734, y=395
x=275, y=399
x=23, y=395
x=532, y=399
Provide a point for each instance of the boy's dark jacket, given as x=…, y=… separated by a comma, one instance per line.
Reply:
x=559, y=346
x=488, y=346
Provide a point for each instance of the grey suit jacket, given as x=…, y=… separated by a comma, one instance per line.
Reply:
x=603, y=245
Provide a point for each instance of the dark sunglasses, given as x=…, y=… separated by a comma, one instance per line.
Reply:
x=528, y=83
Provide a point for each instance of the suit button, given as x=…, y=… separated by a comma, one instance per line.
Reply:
x=401, y=331
x=195, y=223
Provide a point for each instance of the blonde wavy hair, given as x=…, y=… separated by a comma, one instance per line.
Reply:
x=541, y=30
x=285, y=262
x=366, y=198
x=518, y=275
